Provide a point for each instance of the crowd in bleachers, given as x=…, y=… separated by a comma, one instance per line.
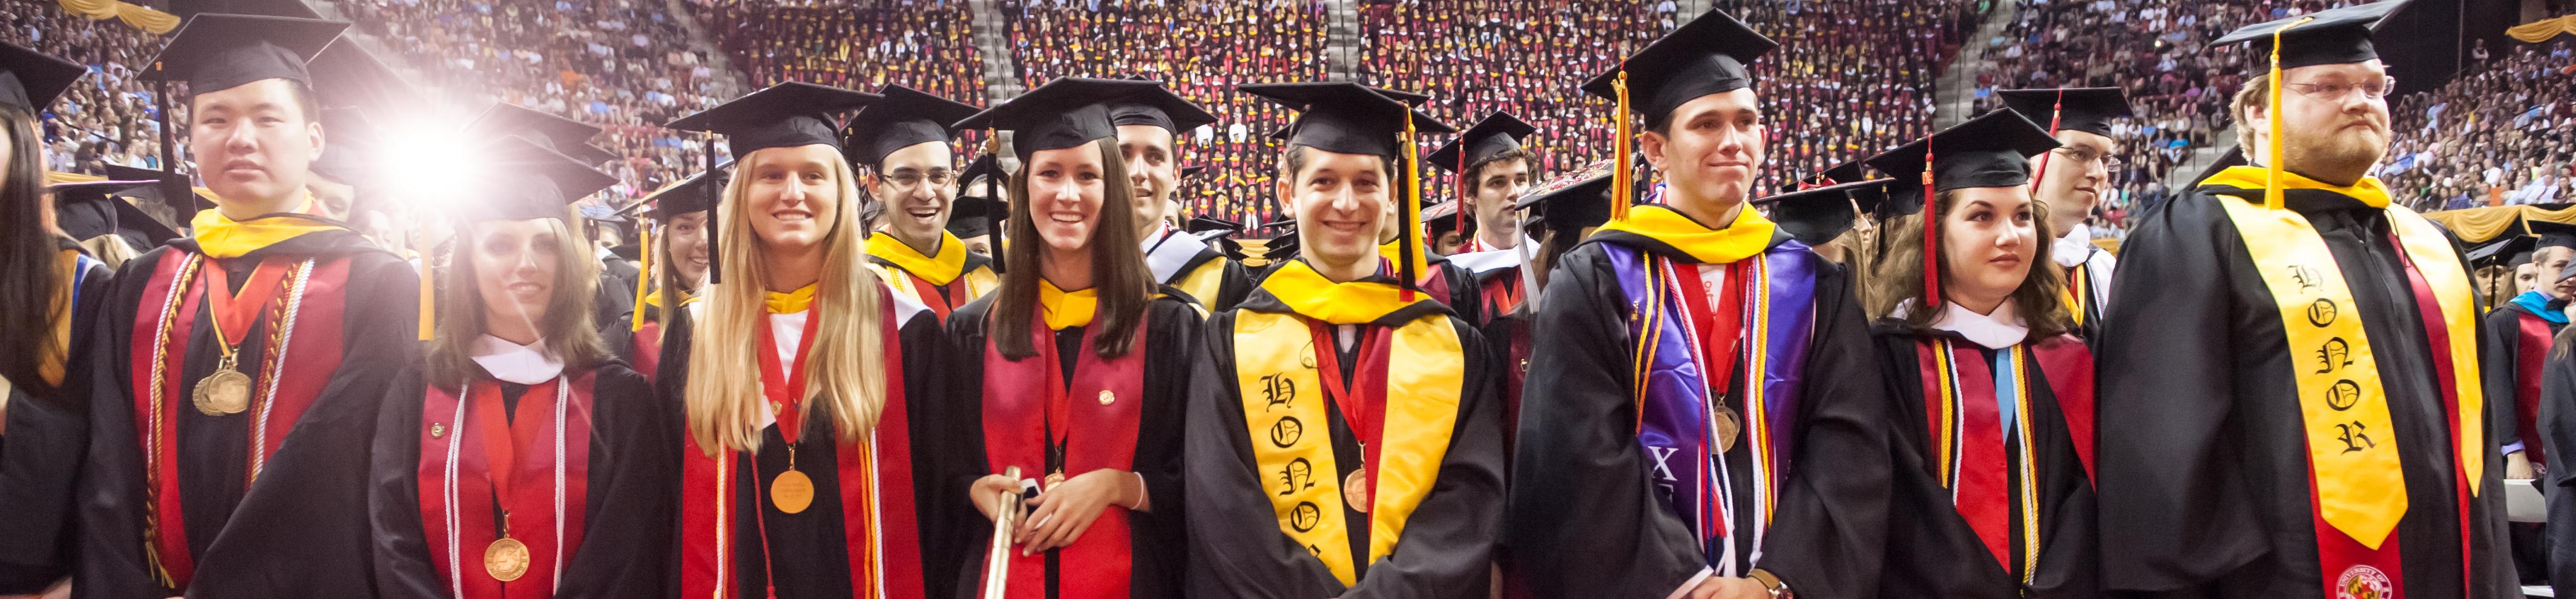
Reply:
x=1202, y=50
x=2503, y=132
x=107, y=118
x=623, y=65
x=922, y=44
x=2155, y=49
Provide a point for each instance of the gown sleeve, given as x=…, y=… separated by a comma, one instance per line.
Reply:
x=2174, y=508
x=402, y=565
x=40, y=456
x=1584, y=517
x=1448, y=545
x=110, y=558
x=1236, y=549
x=633, y=507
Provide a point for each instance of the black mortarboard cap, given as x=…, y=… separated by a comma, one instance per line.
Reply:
x=1158, y=106
x=214, y=52
x=532, y=182
x=1408, y=98
x=1706, y=56
x=2519, y=258
x=1344, y=117
x=171, y=190
x=548, y=130
x=1992, y=150
x=31, y=80
x=1441, y=218
x=1192, y=171
x=2086, y=109
x=1205, y=224
x=982, y=178
x=2552, y=234
x=1500, y=132
x=1064, y=113
x=902, y=117
x=970, y=216
x=89, y=209
x=694, y=194
x=786, y=115
x=1574, y=200
x=348, y=76
x=2332, y=36
x=1819, y=214
x=1854, y=171
x=2513, y=245
x=355, y=143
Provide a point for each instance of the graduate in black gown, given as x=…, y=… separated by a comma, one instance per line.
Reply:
x=2557, y=431
x=1343, y=436
x=902, y=143
x=1994, y=418
x=54, y=291
x=2236, y=398
x=1150, y=124
x=2071, y=179
x=243, y=366
x=1085, y=397
x=2518, y=334
x=1775, y=482
x=521, y=458
x=1493, y=171
x=676, y=257
x=804, y=475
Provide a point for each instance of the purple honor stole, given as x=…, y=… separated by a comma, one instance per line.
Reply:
x=1676, y=424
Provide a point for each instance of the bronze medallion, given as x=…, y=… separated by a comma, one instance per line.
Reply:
x=224, y=393
x=792, y=492
x=1355, y=490
x=1727, y=429
x=506, y=559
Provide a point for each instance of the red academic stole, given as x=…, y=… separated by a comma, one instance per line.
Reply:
x=302, y=329
x=1361, y=398
x=1095, y=422
x=2337, y=548
x=648, y=349
x=1501, y=293
x=1968, y=441
x=941, y=298
x=515, y=464
x=2531, y=354
x=875, y=490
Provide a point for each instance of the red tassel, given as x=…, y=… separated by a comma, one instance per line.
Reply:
x=2056, y=114
x=1931, y=234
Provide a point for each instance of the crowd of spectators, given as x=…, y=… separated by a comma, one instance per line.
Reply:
x=108, y=117
x=2158, y=51
x=2503, y=132
x=926, y=45
x=1201, y=50
x=1850, y=77
x=624, y=65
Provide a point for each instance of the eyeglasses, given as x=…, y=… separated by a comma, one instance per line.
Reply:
x=2329, y=92
x=909, y=180
x=2083, y=155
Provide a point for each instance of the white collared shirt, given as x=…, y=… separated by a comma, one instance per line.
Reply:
x=514, y=363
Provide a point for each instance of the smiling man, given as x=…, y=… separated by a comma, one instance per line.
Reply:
x=1744, y=456
x=2291, y=399
x=1148, y=123
x=240, y=391
x=2071, y=180
x=902, y=144
x=1344, y=436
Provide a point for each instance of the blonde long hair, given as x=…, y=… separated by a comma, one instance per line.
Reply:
x=846, y=370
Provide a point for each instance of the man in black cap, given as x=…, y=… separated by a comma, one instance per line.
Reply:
x=2517, y=335
x=2072, y=179
x=1732, y=446
x=235, y=406
x=1343, y=436
x=902, y=141
x=1493, y=170
x=1150, y=122
x=2291, y=397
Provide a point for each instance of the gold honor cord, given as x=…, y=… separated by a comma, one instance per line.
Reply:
x=643, y=282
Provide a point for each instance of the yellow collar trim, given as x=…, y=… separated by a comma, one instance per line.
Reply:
x=221, y=237
x=1066, y=308
x=1309, y=294
x=1749, y=235
x=792, y=302
x=938, y=270
x=2369, y=190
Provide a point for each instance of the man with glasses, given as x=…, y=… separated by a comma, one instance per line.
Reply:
x=2071, y=180
x=902, y=143
x=2291, y=403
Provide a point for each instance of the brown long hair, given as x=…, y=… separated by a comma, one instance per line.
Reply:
x=1900, y=275
x=566, y=326
x=37, y=296
x=1117, y=267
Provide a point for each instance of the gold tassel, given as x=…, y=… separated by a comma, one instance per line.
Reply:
x=428, y=291
x=1416, y=265
x=1622, y=179
x=2272, y=195
x=643, y=241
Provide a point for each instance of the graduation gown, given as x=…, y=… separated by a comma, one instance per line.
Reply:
x=1934, y=552
x=2203, y=463
x=299, y=527
x=625, y=475
x=2516, y=341
x=1185, y=262
x=1588, y=515
x=2558, y=432
x=2088, y=276
x=944, y=282
x=1155, y=542
x=1237, y=547
x=1448, y=282
x=811, y=547
x=40, y=454
x=1498, y=284
x=641, y=347
x=615, y=294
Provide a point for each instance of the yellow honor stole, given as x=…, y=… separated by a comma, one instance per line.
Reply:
x=1748, y=235
x=1287, y=415
x=1062, y=309
x=221, y=237
x=2352, y=448
x=792, y=302
x=936, y=270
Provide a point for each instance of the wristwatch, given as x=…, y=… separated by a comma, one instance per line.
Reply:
x=1779, y=589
